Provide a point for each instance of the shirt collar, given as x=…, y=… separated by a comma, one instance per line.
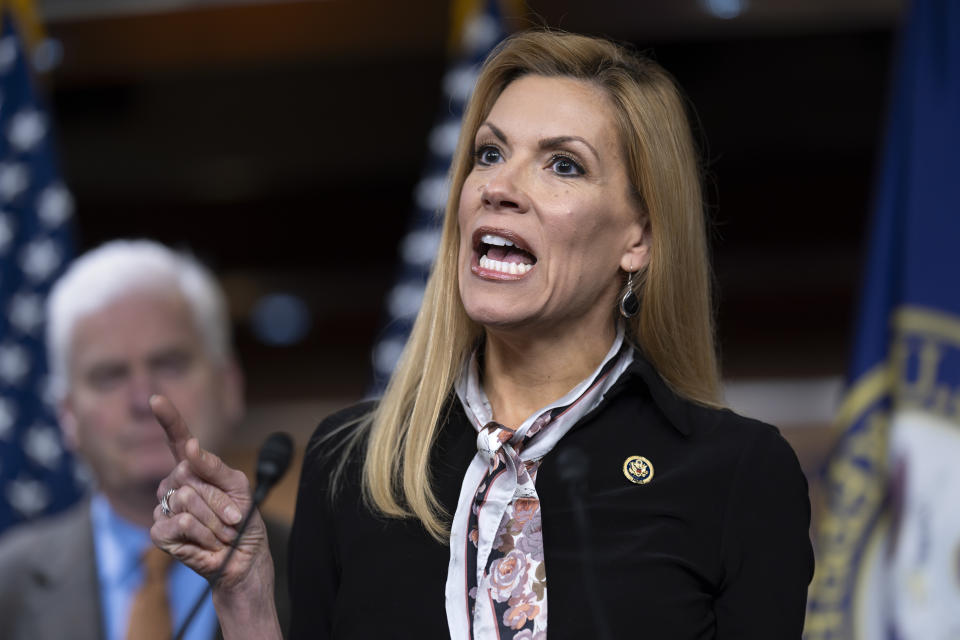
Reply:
x=474, y=399
x=119, y=543
x=681, y=413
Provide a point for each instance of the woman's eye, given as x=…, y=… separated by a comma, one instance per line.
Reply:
x=488, y=155
x=564, y=166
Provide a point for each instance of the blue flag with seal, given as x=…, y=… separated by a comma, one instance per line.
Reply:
x=888, y=555
x=36, y=474
x=477, y=26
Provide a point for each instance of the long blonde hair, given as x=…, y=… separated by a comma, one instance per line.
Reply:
x=674, y=328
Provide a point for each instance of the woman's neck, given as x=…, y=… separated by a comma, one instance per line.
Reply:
x=524, y=373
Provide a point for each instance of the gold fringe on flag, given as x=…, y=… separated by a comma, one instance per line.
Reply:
x=25, y=13
x=462, y=10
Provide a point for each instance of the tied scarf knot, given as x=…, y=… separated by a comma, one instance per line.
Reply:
x=493, y=439
x=498, y=444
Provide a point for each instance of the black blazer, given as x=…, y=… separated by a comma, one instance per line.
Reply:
x=716, y=545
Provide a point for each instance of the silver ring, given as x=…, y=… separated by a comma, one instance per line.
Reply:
x=165, y=503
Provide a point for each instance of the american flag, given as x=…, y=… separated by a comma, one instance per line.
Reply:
x=481, y=31
x=37, y=476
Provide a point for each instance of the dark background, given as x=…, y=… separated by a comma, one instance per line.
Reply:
x=281, y=142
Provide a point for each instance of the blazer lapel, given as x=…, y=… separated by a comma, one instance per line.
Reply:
x=64, y=593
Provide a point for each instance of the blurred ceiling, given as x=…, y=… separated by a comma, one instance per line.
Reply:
x=682, y=14
x=170, y=34
x=281, y=141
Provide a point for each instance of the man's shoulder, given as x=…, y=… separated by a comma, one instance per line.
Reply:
x=48, y=579
x=26, y=540
x=43, y=549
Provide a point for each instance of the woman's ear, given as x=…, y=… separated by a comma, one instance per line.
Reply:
x=637, y=254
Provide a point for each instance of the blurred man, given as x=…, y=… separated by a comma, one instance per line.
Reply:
x=127, y=320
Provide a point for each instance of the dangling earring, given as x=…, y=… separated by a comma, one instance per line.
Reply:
x=629, y=304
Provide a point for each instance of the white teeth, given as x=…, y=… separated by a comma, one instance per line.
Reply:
x=515, y=268
x=488, y=238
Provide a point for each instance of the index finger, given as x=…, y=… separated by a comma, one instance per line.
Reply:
x=176, y=429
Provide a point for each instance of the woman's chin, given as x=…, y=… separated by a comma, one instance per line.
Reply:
x=498, y=305
x=502, y=317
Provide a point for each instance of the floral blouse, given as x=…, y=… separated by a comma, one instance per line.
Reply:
x=497, y=580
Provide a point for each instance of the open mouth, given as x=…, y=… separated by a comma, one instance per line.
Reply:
x=503, y=255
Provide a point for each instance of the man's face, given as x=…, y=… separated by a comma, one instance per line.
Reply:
x=143, y=343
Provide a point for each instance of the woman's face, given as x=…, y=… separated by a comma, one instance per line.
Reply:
x=546, y=216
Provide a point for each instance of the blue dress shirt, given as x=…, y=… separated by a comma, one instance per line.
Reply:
x=119, y=544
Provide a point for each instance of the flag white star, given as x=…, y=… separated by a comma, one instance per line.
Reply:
x=26, y=312
x=28, y=496
x=458, y=82
x=386, y=355
x=419, y=247
x=443, y=138
x=480, y=34
x=8, y=53
x=14, y=363
x=40, y=259
x=82, y=475
x=8, y=417
x=47, y=55
x=44, y=389
x=42, y=445
x=27, y=128
x=54, y=205
x=14, y=178
x=404, y=299
x=431, y=192
x=6, y=231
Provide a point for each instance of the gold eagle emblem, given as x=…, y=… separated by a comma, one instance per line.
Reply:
x=638, y=470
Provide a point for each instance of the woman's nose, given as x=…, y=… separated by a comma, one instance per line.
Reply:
x=505, y=191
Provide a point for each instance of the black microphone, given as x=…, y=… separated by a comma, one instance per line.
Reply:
x=573, y=466
x=272, y=463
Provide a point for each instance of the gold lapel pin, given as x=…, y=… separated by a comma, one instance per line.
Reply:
x=638, y=469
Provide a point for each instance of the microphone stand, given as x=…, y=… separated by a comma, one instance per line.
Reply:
x=272, y=463
x=573, y=465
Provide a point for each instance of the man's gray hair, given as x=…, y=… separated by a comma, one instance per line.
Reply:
x=102, y=275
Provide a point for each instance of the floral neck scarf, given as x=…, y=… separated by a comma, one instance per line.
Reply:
x=497, y=580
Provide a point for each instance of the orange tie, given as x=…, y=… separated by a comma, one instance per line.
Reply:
x=150, y=612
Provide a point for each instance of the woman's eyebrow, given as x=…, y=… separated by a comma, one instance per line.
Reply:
x=546, y=143
x=553, y=143
x=496, y=131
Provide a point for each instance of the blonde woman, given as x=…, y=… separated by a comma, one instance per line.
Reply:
x=551, y=455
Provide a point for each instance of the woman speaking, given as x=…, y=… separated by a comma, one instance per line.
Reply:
x=550, y=458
